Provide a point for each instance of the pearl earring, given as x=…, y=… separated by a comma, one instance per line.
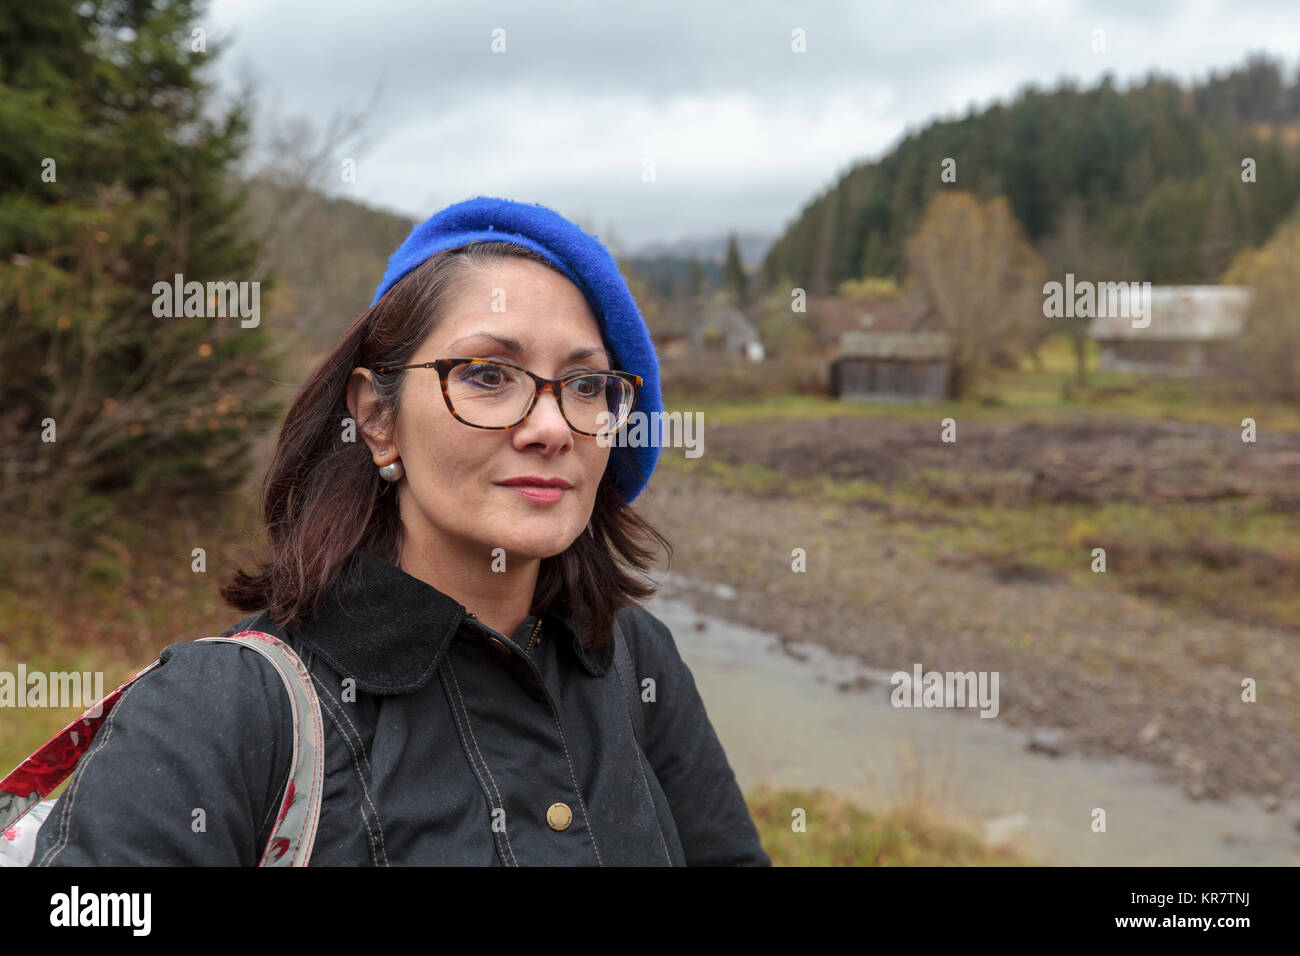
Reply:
x=393, y=471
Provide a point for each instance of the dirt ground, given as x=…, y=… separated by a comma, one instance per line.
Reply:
x=1093, y=669
x=1088, y=459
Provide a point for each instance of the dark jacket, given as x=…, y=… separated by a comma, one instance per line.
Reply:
x=434, y=725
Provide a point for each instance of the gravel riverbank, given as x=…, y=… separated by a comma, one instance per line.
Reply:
x=1097, y=670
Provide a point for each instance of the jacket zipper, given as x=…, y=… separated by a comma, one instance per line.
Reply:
x=536, y=627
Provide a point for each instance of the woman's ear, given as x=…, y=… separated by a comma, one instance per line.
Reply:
x=362, y=403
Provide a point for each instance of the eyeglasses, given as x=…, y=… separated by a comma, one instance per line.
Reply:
x=484, y=393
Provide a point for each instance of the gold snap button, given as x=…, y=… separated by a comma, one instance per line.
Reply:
x=499, y=646
x=559, y=816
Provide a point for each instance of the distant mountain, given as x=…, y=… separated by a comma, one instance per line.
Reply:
x=666, y=266
x=753, y=247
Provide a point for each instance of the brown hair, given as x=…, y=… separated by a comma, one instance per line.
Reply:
x=323, y=497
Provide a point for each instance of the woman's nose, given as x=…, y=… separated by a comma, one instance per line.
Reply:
x=548, y=406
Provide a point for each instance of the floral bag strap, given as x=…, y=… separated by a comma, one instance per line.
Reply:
x=22, y=809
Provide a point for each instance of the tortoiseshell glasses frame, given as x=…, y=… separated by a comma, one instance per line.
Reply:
x=556, y=385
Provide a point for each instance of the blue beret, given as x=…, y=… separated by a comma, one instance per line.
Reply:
x=587, y=263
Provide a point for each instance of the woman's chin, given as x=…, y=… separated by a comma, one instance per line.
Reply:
x=543, y=543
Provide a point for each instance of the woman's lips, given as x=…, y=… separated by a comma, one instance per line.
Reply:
x=537, y=492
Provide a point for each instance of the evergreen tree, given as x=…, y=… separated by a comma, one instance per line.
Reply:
x=115, y=180
x=733, y=274
x=694, y=276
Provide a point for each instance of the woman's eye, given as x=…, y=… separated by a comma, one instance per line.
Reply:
x=586, y=387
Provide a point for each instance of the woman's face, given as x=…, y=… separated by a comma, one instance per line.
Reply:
x=452, y=497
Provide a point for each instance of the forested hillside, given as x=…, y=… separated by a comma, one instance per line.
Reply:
x=1152, y=173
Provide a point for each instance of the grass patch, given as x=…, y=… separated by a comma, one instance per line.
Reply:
x=110, y=605
x=840, y=833
x=1026, y=394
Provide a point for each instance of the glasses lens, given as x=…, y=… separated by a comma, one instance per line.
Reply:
x=597, y=404
x=496, y=396
x=487, y=394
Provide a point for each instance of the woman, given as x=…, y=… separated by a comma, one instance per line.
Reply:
x=446, y=527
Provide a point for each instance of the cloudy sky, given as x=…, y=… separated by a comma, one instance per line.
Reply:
x=741, y=131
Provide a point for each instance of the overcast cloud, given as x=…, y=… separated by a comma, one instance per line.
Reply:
x=742, y=131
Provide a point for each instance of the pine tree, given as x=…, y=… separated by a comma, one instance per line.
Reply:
x=733, y=274
x=115, y=180
x=694, y=276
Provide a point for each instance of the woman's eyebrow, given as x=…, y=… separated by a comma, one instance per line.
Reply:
x=512, y=345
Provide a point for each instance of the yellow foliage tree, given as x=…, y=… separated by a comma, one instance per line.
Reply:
x=1270, y=345
x=869, y=287
x=970, y=264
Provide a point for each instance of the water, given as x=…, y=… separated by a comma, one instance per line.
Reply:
x=784, y=721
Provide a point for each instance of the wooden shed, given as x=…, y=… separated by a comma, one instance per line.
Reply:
x=891, y=366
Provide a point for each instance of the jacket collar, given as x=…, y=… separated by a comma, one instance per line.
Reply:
x=389, y=630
